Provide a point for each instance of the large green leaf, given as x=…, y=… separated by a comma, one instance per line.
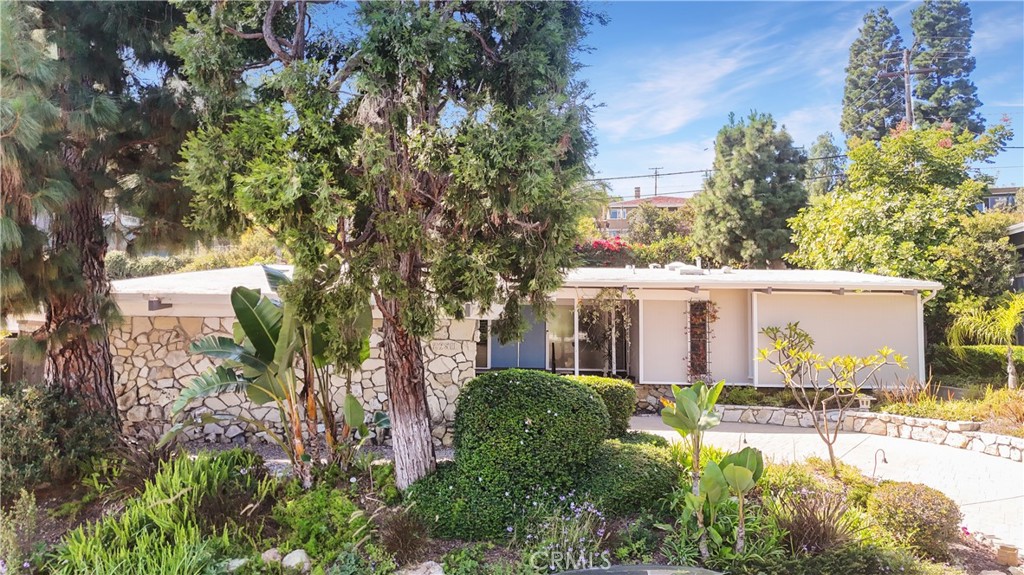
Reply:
x=220, y=347
x=713, y=484
x=749, y=458
x=740, y=479
x=353, y=411
x=266, y=389
x=288, y=340
x=276, y=278
x=260, y=319
x=213, y=381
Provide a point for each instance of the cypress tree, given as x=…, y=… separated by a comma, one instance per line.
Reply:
x=826, y=165
x=741, y=213
x=872, y=106
x=942, y=32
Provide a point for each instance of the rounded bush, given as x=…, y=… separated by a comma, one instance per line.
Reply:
x=917, y=515
x=644, y=438
x=625, y=478
x=619, y=397
x=527, y=431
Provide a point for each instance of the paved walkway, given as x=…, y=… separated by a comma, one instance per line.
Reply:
x=990, y=490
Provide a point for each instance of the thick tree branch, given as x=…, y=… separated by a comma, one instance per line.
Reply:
x=268, y=31
x=243, y=35
x=347, y=70
x=483, y=44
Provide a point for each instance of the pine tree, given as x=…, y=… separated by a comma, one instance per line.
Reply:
x=826, y=165
x=110, y=139
x=742, y=211
x=942, y=34
x=873, y=106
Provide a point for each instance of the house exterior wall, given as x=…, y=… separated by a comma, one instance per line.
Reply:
x=731, y=352
x=152, y=363
x=663, y=342
x=851, y=324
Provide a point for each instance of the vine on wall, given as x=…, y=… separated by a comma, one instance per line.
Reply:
x=702, y=316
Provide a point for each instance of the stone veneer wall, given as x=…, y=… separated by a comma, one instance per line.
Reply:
x=152, y=363
x=958, y=434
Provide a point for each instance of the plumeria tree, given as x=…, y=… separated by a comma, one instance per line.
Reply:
x=821, y=386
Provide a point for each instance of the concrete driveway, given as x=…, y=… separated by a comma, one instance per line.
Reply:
x=989, y=489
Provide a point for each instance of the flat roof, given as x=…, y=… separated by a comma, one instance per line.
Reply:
x=742, y=279
x=220, y=282
x=208, y=282
x=659, y=201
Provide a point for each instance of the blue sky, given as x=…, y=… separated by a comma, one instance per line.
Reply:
x=669, y=73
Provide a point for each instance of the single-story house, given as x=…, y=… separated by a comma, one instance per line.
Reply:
x=671, y=326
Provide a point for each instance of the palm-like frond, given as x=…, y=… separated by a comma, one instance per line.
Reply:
x=212, y=382
x=994, y=326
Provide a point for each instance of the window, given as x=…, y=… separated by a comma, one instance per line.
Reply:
x=616, y=214
x=483, y=356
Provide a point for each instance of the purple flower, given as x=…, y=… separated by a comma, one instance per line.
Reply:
x=509, y=529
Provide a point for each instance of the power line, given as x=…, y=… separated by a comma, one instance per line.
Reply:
x=686, y=172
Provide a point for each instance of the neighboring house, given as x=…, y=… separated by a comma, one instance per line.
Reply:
x=615, y=221
x=665, y=341
x=999, y=199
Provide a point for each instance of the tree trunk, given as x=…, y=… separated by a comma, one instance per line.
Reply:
x=1011, y=369
x=78, y=354
x=407, y=394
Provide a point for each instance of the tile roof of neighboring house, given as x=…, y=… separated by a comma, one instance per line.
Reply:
x=660, y=201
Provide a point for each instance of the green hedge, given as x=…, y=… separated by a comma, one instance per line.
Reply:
x=626, y=478
x=527, y=429
x=619, y=398
x=977, y=360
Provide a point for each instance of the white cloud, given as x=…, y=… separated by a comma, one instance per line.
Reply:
x=995, y=29
x=806, y=124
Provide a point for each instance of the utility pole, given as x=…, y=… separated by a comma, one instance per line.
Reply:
x=656, y=178
x=908, y=95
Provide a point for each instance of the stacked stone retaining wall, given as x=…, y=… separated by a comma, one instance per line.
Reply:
x=152, y=363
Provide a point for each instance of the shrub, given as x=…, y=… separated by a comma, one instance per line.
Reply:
x=814, y=521
x=644, y=438
x=977, y=360
x=555, y=532
x=619, y=397
x=916, y=515
x=320, y=521
x=520, y=431
x=19, y=532
x=452, y=506
x=400, y=533
x=627, y=478
x=47, y=435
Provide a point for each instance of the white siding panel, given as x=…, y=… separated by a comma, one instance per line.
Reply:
x=853, y=324
x=730, y=336
x=664, y=350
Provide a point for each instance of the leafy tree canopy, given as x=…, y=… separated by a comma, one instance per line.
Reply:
x=873, y=106
x=906, y=209
x=826, y=165
x=428, y=161
x=649, y=223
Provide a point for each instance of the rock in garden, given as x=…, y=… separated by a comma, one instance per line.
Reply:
x=235, y=564
x=297, y=560
x=271, y=555
x=426, y=568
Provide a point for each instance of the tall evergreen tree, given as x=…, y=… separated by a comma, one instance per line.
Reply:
x=872, y=106
x=108, y=140
x=756, y=186
x=826, y=165
x=942, y=34
x=444, y=173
